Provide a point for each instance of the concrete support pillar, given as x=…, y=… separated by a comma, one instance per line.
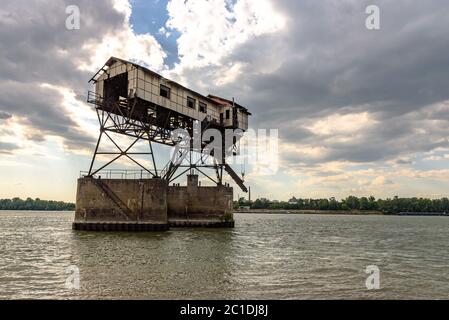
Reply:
x=150, y=205
x=192, y=181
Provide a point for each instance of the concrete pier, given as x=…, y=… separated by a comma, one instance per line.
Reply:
x=150, y=205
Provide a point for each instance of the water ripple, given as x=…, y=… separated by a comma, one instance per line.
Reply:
x=264, y=257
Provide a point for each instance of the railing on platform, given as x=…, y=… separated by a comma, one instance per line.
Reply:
x=94, y=98
x=119, y=174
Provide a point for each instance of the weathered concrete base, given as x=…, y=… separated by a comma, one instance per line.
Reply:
x=200, y=224
x=118, y=227
x=196, y=205
x=150, y=205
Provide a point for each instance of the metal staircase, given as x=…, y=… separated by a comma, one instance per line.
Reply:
x=124, y=210
x=235, y=177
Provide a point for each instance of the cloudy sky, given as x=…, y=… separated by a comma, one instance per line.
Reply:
x=359, y=111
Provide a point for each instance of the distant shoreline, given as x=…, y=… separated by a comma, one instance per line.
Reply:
x=304, y=212
x=330, y=212
x=340, y=212
x=29, y=204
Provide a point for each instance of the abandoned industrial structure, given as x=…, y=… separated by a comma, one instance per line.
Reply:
x=137, y=104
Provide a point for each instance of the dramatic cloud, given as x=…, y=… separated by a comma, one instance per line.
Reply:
x=4, y=115
x=327, y=82
x=6, y=147
x=38, y=52
x=212, y=30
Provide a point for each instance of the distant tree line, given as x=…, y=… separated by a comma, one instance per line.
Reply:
x=36, y=204
x=394, y=205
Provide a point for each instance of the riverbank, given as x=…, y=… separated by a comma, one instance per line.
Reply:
x=327, y=212
x=341, y=212
x=17, y=204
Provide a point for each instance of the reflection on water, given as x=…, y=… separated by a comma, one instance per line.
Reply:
x=264, y=257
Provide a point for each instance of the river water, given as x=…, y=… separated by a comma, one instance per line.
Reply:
x=264, y=257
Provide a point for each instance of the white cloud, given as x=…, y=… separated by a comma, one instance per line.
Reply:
x=211, y=30
x=126, y=44
x=346, y=124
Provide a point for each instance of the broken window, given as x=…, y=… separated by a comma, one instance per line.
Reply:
x=203, y=107
x=228, y=114
x=191, y=103
x=165, y=91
